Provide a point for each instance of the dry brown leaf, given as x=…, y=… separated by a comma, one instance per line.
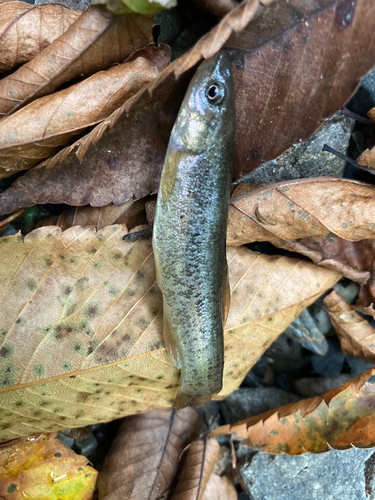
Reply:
x=42, y=467
x=354, y=259
x=94, y=42
x=130, y=163
x=367, y=158
x=81, y=325
x=286, y=212
x=219, y=488
x=315, y=50
x=40, y=129
x=25, y=30
x=356, y=335
x=198, y=465
x=143, y=459
x=340, y=419
x=130, y=213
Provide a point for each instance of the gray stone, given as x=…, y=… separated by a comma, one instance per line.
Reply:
x=66, y=440
x=307, y=158
x=87, y=446
x=334, y=475
x=364, y=99
x=357, y=366
x=305, y=331
x=331, y=364
x=171, y=24
x=284, y=355
x=347, y=289
x=310, y=387
x=245, y=403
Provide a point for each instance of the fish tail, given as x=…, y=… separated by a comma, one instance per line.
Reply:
x=183, y=400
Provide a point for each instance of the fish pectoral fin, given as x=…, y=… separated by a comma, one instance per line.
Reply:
x=169, y=339
x=169, y=173
x=225, y=304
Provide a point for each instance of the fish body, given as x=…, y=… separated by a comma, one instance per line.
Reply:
x=189, y=233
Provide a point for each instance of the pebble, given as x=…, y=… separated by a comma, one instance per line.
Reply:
x=334, y=475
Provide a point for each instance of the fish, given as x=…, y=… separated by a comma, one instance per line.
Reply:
x=189, y=233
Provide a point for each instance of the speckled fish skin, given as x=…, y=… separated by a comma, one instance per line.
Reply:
x=189, y=233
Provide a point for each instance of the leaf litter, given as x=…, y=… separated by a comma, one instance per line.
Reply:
x=25, y=30
x=144, y=457
x=92, y=43
x=40, y=129
x=275, y=34
x=339, y=419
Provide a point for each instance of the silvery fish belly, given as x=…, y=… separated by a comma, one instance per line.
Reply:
x=190, y=230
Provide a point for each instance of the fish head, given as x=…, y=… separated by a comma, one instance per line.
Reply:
x=207, y=113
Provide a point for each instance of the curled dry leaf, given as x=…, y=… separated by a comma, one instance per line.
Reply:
x=367, y=158
x=94, y=42
x=81, y=325
x=197, y=467
x=286, y=212
x=40, y=129
x=43, y=468
x=144, y=456
x=130, y=163
x=340, y=419
x=356, y=335
x=25, y=30
x=319, y=51
x=355, y=259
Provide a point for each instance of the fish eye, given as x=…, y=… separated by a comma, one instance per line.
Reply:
x=215, y=93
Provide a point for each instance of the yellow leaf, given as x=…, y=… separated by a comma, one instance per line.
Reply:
x=43, y=468
x=81, y=325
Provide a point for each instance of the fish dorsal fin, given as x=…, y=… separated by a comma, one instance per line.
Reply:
x=170, y=340
x=225, y=304
x=169, y=173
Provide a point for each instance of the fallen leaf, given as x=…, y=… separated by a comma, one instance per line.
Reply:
x=130, y=163
x=94, y=42
x=312, y=48
x=130, y=213
x=81, y=325
x=198, y=465
x=219, y=488
x=25, y=30
x=354, y=259
x=40, y=129
x=315, y=50
x=286, y=212
x=356, y=335
x=43, y=468
x=339, y=419
x=144, y=456
x=367, y=158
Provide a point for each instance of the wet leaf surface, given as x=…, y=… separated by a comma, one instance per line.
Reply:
x=144, y=456
x=25, y=30
x=40, y=129
x=81, y=325
x=340, y=419
x=94, y=42
x=43, y=468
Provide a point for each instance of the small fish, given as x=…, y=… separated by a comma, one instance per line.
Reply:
x=190, y=231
